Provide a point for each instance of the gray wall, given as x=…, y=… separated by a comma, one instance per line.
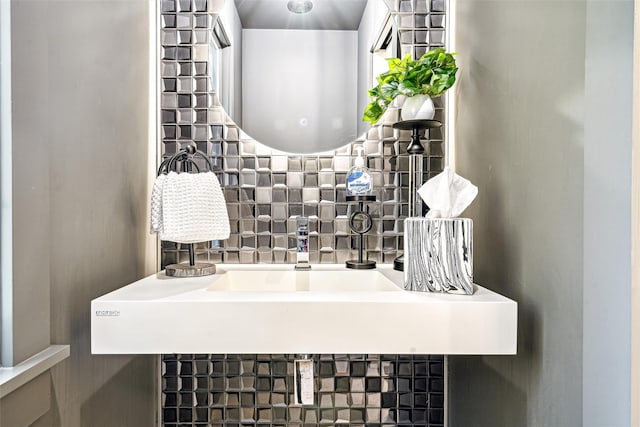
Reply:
x=26, y=275
x=80, y=124
x=543, y=128
x=607, y=214
x=30, y=175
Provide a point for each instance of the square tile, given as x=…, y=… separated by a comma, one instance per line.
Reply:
x=294, y=179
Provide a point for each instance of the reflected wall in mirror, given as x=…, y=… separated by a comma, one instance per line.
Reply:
x=298, y=82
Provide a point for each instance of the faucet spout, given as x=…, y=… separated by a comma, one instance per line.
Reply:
x=302, y=246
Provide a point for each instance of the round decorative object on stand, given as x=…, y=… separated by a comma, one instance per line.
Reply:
x=418, y=107
x=360, y=222
x=415, y=150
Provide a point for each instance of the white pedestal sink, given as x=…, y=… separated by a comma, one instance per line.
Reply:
x=275, y=309
x=303, y=281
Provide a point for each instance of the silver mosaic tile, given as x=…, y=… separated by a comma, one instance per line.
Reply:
x=258, y=390
x=265, y=190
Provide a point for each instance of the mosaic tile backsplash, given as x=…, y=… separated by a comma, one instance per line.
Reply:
x=265, y=190
x=257, y=390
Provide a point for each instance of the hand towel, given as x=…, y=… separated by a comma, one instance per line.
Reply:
x=193, y=208
x=156, y=203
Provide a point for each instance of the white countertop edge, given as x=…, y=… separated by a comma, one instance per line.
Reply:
x=15, y=377
x=160, y=288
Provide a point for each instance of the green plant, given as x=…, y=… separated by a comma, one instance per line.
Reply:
x=432, y=75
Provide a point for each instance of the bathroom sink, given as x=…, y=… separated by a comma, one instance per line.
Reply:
x=303, y=281
x=274, y=309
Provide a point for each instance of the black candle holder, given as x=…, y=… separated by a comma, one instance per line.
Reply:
x=360, y=222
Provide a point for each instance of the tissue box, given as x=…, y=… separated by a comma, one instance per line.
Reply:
x=438, y=255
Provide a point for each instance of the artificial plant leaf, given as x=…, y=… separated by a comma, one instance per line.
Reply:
x=432, y=74
x=372, y=113
x=389, y=90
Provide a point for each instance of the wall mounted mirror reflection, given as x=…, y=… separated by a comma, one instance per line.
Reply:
x=297, y=82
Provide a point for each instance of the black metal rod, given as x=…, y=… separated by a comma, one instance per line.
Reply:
x=361, y=246
x=192, y=255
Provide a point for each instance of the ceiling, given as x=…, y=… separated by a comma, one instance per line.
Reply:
x=325, y=15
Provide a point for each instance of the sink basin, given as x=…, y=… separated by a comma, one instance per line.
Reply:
x=303, y=281
x=273, y=309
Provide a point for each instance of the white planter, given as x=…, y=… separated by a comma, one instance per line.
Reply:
x=398, y=101
x=418, y=107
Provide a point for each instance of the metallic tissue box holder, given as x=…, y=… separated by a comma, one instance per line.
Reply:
x=438, y=255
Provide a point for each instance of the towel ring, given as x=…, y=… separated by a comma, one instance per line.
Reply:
x=169, y=164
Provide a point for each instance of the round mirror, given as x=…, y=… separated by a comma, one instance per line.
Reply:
x=294, y=74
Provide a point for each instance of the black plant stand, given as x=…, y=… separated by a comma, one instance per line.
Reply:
x=360, y=222
x=416, y=151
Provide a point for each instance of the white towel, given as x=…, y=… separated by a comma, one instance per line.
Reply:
x=156, y=203
x=193, y=208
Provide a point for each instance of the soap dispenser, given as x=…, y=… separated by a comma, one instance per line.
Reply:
x=359, y=182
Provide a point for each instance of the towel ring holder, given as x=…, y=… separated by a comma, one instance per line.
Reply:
x=186, y=156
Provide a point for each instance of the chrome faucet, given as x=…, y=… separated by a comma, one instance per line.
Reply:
x=302, y=246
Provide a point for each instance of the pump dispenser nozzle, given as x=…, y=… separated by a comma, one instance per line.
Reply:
x=359, y=161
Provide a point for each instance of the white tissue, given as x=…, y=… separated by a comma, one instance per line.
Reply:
x=447, y=194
